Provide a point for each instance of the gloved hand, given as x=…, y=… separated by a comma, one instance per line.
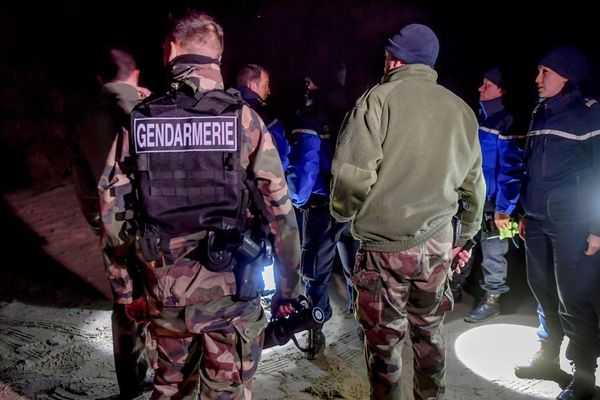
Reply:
x=137, y=310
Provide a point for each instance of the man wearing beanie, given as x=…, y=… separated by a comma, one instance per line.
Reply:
x=502, y=168
x=562, y=225
x=407, y=153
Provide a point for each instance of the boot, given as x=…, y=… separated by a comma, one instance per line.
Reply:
x=582, y=386
x=488, y=308
x=543, y=365
x=316, y=343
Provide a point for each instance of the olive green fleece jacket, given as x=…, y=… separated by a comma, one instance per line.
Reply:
x=405, y=155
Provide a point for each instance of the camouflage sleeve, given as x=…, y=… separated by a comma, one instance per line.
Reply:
x=260, y=156
x=113, y=186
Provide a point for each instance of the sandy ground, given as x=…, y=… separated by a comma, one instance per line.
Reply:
x=55, y=340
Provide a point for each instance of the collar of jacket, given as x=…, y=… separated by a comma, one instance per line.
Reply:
x=561, y=102
x=490, y=107
x=250, y=96
x=203, y=77
x=411, y=72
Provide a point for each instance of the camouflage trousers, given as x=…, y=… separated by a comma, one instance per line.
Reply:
x=405, y=292
x=129, y=354
x=210, y=349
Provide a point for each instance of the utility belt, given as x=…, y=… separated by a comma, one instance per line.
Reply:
x=221, y=251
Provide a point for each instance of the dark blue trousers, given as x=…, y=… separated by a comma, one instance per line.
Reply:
x=321, y=235
x=566, y=284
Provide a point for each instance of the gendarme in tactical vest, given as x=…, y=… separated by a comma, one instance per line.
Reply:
x=188, y=159
x=189, y=177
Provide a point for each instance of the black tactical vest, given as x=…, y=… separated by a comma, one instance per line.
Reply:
x=189, y=176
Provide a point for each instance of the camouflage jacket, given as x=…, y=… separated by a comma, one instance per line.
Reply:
x=186, y=281
x=92, y=140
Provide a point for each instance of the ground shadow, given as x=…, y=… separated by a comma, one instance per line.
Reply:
x=29, y=275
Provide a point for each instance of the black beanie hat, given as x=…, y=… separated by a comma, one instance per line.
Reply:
x=327, y=75
x=414, y=44
x=494, y=75
x=567, y=62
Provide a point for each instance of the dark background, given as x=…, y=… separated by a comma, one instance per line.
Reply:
x=48, y=50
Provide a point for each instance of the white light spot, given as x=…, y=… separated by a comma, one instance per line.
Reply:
x=492, y=351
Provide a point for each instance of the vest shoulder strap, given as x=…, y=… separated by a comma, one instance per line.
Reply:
x=216, y=102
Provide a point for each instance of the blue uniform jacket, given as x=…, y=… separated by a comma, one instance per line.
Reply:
x=502, y=154
x=312, y=147
x=562, y=172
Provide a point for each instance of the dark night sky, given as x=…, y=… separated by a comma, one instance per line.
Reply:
x=61, y=38
x=49, y=47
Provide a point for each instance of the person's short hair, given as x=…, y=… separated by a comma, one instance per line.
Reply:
x=115, y=64
x=249, y=73
x=197, y=33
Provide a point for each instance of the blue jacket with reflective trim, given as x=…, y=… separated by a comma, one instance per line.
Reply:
x=502, y=154
x=312, y=145
x=562, y=160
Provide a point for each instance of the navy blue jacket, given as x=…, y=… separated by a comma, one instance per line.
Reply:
x=313, y=144
x=273, y=124
x=562, y=172
x=502, y=161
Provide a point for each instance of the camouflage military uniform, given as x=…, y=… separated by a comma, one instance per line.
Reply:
x=93, y=139
x=194, y=320
x=404, y=292
x=419, y=154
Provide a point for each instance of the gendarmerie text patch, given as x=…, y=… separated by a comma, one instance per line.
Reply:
x=205, y=133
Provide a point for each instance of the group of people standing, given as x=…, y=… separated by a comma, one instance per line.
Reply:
x=306, y=154
x=382, y=185
x=550, y=180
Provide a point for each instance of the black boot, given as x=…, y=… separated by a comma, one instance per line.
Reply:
x=316, y=343
x=543, y=365
x=488, y=308
x=582, y=386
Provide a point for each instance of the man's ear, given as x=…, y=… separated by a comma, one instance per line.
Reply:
x=252, y=85
x=170, y=50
